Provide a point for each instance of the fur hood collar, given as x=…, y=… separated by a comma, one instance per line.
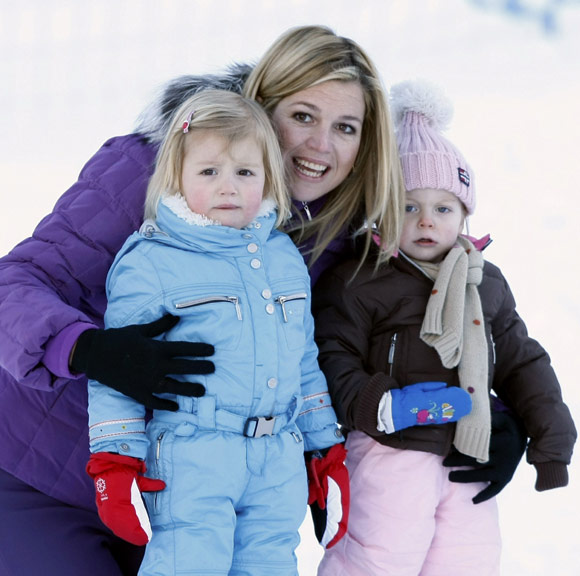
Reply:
x=177, y=225
x=177, y=204
x=153, y=122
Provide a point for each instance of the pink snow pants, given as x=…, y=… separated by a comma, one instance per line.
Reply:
x=408, y=519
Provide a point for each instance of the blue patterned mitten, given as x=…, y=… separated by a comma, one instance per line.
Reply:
x=422, y=403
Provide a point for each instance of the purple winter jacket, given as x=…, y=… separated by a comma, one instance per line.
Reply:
x=52, y=287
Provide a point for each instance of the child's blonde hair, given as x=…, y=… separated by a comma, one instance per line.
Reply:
x=373, y=193
x=232, y=117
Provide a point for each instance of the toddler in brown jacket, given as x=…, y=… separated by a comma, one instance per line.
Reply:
x=411, y=351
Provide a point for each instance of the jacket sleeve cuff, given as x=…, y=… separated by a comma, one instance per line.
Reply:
x=368, y=404
x=58, y=349
x=551, y=475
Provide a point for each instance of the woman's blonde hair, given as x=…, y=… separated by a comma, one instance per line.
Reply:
x=371, y=199
x=232, y=117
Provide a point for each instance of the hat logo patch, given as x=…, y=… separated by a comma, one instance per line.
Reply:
x=463, y=176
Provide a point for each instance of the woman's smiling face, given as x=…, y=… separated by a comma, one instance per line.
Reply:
x=320, y=130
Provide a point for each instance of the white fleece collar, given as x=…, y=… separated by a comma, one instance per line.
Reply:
x=177, y=204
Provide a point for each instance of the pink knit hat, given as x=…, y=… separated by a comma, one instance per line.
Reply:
x=421, y=112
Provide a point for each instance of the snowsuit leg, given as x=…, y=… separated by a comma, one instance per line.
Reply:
x=274, y=503
x=407, y=519
x=233, y=505
x=42, y=535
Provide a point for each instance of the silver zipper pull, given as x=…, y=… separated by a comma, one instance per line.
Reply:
x=158, y=449
x=307, y=210
x=392, y=353
x=236, y=302
x=282, y=301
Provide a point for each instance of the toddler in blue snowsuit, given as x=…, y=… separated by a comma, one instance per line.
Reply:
x=230, y=487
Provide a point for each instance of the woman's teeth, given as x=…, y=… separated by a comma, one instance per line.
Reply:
x=310, y=168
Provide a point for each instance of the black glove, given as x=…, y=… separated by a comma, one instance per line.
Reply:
x=129, y=360
x=507, y=445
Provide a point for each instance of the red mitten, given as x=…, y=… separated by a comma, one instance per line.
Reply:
x=329, y=494
x=119, y=482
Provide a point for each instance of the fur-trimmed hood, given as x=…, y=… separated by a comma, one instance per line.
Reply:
x=178, y=205
x=154, y=121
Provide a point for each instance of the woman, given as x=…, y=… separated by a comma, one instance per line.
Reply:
x=326, y=101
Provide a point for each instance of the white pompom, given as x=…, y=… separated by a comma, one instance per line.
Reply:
x=424, y=98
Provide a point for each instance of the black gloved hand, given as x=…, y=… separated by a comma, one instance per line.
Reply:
x=129, y=360
x=507, y=445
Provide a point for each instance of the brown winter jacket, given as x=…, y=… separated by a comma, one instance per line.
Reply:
x=368, y=335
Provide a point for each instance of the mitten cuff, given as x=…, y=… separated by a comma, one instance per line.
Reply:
x=385, y=414
x=310, y=454
x=551, y=475
x=103, y=461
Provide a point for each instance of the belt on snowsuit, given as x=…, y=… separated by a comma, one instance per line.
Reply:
x=208, y=417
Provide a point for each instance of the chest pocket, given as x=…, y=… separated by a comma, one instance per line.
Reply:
x=291, y=309
x=215, y=319
x=410, y=360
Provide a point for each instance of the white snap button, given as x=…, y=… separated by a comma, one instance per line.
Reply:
x=272, y=383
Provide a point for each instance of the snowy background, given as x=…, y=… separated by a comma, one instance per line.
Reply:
x=74, y=73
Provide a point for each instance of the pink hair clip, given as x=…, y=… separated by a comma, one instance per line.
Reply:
x=185, y=125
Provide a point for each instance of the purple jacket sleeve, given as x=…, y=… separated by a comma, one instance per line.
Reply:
x=55, y=279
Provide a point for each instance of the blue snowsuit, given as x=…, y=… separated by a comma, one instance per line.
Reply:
x=233, y=460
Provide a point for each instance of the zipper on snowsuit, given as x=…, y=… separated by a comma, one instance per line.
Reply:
x=211, y=299
x=283, y=299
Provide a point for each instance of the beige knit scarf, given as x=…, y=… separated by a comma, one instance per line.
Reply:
x=454, y=326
